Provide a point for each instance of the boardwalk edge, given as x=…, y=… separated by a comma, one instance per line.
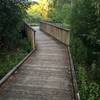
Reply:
x=75, y=86
x=6, y=77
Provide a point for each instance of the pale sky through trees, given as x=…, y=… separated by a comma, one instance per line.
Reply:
x=35, y=0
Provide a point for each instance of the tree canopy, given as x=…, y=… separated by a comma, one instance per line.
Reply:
x=11, y=17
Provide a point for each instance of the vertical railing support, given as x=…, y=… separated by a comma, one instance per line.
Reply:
x=30, y=32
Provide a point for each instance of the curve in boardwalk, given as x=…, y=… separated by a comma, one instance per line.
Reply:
x=44, y=76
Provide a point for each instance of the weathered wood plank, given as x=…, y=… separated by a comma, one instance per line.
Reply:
x=44, y=76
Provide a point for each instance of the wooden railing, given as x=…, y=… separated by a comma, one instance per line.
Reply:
x=61, y=34
x=30, y=32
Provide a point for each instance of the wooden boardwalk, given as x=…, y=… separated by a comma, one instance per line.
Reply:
x=44, y=76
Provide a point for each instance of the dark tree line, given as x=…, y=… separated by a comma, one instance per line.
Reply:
x=85, y=25
x=11, y=19
x=85, y=46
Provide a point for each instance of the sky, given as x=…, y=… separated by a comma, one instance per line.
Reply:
x=35, y=0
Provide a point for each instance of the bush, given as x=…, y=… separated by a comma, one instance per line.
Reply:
x=8, y=59
x=85, y=47
x=78, y=49
x=60, y=14
x=88, y=90
x=34, y=18
x=25, y=45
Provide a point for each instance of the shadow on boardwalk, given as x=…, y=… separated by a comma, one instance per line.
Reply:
x=44, y=76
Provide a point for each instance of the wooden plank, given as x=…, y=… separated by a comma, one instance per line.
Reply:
x=44, y=75
x=4, y=79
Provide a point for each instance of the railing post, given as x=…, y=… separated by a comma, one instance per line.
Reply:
x=31, y=35
x=34, y=44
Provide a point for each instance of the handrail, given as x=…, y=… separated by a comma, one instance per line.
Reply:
x=75, y=85
x=55, y=25
x=61, y=34
x=30, y=32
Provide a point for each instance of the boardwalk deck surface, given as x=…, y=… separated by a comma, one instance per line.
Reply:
x=44, y=76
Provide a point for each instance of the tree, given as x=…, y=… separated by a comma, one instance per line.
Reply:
x=60, y=11
x=10, y=23
x=85, y=20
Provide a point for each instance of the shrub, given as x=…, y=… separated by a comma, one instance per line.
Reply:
x=88, y=90
x=34, y=18
x=85, y=48
x=25, y=45
x=60, y=14
x=8, y=59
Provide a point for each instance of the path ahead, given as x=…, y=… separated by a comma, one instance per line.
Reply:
x=44, y=76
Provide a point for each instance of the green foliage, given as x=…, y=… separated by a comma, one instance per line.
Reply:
x=85, y=26
x=34, y=18
x=59, y=3
x=88, y=79
x=25, y=45
x=8, y=59
x=10, y=22
x=39, y=11
x=78, y=49
x=12, y=46
x=85, y=46
x=88, y=90
x=60, y=14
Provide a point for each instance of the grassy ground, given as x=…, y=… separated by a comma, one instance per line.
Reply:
x=9, y=58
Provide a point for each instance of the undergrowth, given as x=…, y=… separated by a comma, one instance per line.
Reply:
x=9, y=58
